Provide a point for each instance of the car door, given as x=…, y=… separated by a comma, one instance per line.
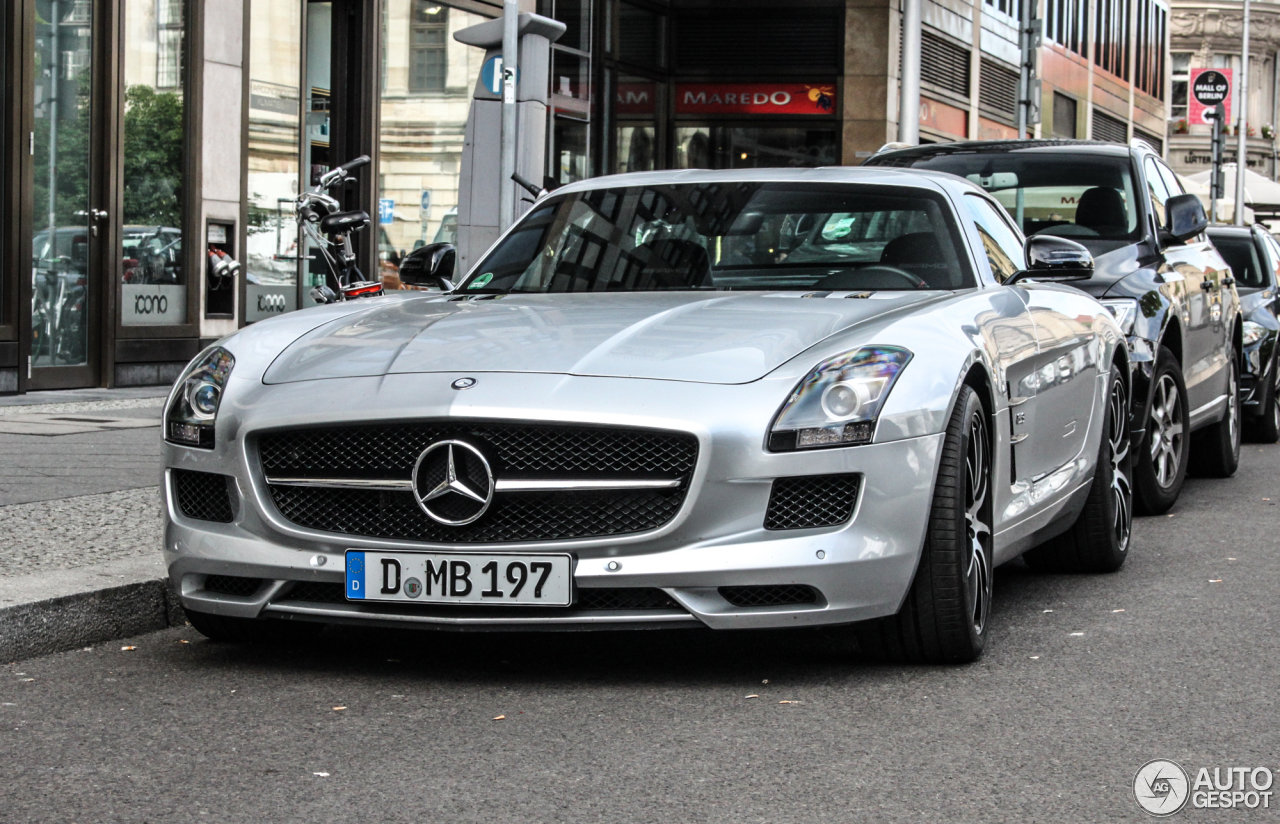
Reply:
x=1201, y=270
x=1040, y=405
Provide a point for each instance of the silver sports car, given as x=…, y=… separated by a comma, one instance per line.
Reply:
x=762, y=398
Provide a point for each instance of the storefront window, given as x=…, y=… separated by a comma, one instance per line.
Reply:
x=753, y=147
x=275, y=124
x=636, y=110
x=154, y=291
x=61, y=231
x=570, y=157
x=427, y=79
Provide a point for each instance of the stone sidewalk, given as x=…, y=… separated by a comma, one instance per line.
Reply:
x=80, y=521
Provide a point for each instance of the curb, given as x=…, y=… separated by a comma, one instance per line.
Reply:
x=84, y=618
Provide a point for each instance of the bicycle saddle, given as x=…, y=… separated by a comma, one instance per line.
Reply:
x=340, y=222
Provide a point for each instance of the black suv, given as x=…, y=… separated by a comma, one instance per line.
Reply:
x=1254, y=257
x=1168, y=287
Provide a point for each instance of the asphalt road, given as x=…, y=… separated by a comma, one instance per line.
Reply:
x=1085, y=679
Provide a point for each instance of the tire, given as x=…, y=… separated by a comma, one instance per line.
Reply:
x=228, y=629
x=1215, y=450
x=1160, y=463
x=1265, y=428
x=944, y=617
x=1098, y=541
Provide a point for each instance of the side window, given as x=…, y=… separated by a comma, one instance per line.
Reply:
x=1001, y=243
x=1273, y=255
x=1156, y=186
x=1171, y=181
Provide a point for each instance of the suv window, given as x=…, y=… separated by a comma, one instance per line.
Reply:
x=1088, y=197
x=1273, y=251
x=1241, y=254
x=1001, y=244
x=1157, y=189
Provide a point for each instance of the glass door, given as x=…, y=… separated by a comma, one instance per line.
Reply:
x=68, y=218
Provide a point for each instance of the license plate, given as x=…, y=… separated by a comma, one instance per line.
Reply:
x=443, y=578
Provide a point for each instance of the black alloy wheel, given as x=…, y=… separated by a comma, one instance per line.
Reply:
x=1265, y=428
x=1099, y=539
x=1215, y=450
x=1160, y=465
x=944, y=618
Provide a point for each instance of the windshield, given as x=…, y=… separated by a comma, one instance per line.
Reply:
x=1088, y=198
x=730, y=236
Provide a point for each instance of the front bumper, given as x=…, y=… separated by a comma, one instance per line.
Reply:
x=861, y=569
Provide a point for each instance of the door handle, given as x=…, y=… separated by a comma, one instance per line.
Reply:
x=98, y=214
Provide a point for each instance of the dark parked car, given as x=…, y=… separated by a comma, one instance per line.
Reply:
x=1156, y=270
x=1254, y=257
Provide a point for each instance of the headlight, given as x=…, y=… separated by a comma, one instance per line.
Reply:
x=838, y=402
x=1253, y=332
x=193, y=403
x=1124, y=310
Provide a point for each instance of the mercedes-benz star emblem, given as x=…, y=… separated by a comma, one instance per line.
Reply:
x=463, y=383
x=453, y=482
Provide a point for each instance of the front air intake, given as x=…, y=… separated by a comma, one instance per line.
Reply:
x=202, y=496
x=811, y=501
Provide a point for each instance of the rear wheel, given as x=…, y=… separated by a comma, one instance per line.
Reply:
x=944, y=617
x=1099, y=539
x=1265, y=428
x=1216, y=449
x=1160, y=465
x=252, y=630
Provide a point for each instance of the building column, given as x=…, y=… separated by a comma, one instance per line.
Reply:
x=870, y=77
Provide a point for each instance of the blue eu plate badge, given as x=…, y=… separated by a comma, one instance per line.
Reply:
x=355, y=575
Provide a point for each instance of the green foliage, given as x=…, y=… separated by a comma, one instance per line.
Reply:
x=153, y=155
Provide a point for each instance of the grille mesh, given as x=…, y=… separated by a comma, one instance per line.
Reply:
x=624, y=598
x=627, y=598
x=772, y=595
x=811, y=501
x=512, y=517
x=390, y=451
x=202, y=496
x=514, y=450
x=232, y=585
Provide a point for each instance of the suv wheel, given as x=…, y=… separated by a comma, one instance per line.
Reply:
x=1265, y=428
x=1160, y=465
x=1216, y=448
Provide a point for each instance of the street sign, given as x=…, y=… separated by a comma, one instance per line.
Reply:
x=426, y=203
x=1209, y=87
x=386, y=211
x=491, y=74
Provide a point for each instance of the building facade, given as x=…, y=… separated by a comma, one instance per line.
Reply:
x=140, y=136
x=1208, y=35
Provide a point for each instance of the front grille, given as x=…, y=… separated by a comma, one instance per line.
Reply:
x=202, y=496
x=772, y=595
x=232, y=585
x=811, y=501
x=525, y=516
x=626, y=598
x=324, y=593
x=515, y=451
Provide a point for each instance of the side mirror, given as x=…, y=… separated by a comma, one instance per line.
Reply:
x=1052, y=258
x=430, y=265
x=1184, y=217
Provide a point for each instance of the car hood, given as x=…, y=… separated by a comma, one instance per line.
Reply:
x=705, y=337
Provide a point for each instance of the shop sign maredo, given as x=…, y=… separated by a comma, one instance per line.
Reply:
x=733, y=98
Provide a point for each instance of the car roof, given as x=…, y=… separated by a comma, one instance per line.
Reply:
x=918, y=178
x=1231, y=230
x=894, y=157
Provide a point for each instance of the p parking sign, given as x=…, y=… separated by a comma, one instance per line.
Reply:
x=1208, y=88
x=386, y=211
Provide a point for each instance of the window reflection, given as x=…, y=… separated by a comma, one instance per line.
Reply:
x=154, y=290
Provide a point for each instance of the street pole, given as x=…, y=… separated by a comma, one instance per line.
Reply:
x=909, y=83
x=507, y=164
x=1024, y=72
x=1242, y=118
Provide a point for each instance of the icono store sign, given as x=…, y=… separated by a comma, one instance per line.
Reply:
x=756, y=98
x=153, y=304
